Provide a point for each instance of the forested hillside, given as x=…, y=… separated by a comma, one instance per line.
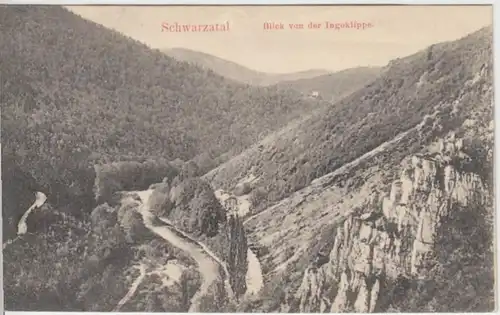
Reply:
x=76, y=98
x=75, y=93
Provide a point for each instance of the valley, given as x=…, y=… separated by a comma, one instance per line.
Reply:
x=177, y=181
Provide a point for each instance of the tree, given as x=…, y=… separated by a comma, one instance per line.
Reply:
x=237, y=256
x=189, y=284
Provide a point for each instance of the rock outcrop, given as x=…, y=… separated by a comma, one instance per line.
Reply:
x=394, y=234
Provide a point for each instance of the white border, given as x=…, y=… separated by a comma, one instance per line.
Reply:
x=496, y=41
x=247, y=2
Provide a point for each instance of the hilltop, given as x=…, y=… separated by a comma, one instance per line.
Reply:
x=238, y=72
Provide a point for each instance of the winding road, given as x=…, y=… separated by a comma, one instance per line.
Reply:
x=208, y=263
x=210, y=253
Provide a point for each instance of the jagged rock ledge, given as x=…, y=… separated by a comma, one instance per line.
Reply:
x=393, y=234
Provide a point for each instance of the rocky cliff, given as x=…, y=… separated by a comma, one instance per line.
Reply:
x=393, y=235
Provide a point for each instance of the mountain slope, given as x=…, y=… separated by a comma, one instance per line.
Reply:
x=408, y=90
x=235, y=71
x=433, y=109
x=83, y=93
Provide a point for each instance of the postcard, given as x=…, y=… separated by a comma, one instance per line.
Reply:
x=289, y=159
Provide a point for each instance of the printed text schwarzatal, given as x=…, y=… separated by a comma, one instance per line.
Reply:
x=180, y=27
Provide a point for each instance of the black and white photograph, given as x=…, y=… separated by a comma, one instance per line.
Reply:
x=247, y=159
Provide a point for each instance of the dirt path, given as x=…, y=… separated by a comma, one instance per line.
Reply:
x=133, y=288
x=209, y=252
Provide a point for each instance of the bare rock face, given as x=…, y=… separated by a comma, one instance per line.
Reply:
x=312, y=284
x=393, y=236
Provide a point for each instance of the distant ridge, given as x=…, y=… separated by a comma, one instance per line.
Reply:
x=238, y=72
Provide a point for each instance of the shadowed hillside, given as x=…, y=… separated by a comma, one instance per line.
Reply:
x=77, y=97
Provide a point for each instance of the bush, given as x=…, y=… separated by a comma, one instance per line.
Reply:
x=159, y=202
x=197, y=210
x=242, y=189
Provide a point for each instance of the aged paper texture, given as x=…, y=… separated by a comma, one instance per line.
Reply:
x=247, y=158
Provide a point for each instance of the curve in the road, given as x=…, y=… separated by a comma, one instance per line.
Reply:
x=207, y=262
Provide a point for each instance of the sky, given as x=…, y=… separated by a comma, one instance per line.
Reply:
x=396, y=31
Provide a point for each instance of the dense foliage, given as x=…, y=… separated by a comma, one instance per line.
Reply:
x=231, y=245
x=64, y=262
x=87, y=112
x=195, y=207
x=68, y=264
